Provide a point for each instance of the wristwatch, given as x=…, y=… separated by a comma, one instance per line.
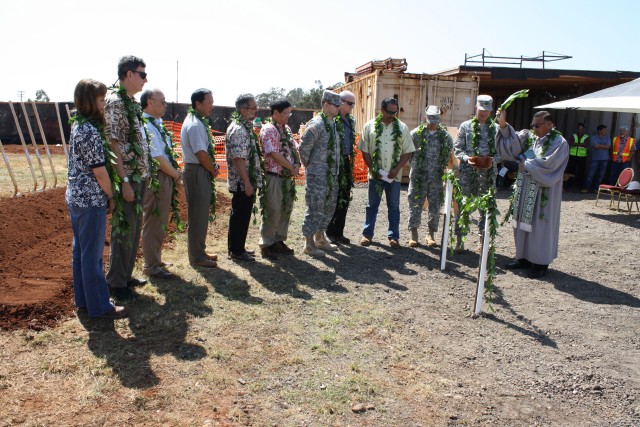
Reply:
x=125, y=179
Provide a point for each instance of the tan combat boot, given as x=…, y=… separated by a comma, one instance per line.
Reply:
x=414, y=241
x=310, y=248
x=431, y=240
x=321, y=242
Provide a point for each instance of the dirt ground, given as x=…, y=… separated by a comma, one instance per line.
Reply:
x=563, y=350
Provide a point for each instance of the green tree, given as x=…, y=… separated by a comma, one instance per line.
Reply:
x=313, y=98
x=265, y=99
x=295, y=96
x=41, y=96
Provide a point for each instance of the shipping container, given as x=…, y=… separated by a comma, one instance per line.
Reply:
x=456, y=97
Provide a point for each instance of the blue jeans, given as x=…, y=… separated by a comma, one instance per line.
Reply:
x=90, y=288
x=392, y=194
x=596, y=171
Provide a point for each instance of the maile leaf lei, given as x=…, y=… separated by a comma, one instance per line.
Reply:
x=211, y=152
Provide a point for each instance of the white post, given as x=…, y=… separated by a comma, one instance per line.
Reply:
x=44, y=141
x=445, y=228
x=13, y=178
x=24, y=145
x=64, y=142
x=482, y=275
x=35, y=146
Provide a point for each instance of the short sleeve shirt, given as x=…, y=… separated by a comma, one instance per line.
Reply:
x=158, y=143
x=238, y=146
x=85, y=153
x=193, y=138
x=368, y=144
x=270, y=137
x=118, y=128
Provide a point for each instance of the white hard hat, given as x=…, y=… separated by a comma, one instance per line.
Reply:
x=633, y=185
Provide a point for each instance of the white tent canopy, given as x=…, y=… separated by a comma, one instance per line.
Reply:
x=623, y=98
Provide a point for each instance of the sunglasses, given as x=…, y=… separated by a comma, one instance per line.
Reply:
x=536, y=125
x=142, y=74
x=391, y=113
x=350, y=104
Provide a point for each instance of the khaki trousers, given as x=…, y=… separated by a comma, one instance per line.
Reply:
x=276, y=225
x=124, y=249
x=197, y=186
x=153, y=225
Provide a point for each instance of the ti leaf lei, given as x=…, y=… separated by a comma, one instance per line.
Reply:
x=135, y=151
x=544, y=196
x=255, y=156
x=376, y=160
x=443, y=156
x=168, y=150
x=211, y=152
x=119, y=224
x=288, y=185
x=475, y=146
x=468, y=204
x=332, y=155
x=346, y=172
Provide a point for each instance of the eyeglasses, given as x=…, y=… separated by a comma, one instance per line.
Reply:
x=391, y=113
x=536, y=125
x=142, y=74
x=350, y=104
x=161, y=101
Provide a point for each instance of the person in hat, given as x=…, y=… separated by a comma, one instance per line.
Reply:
x=476, y=139
x=542, y=154
x=386, y=147
x=433, y=149
x=321, y=155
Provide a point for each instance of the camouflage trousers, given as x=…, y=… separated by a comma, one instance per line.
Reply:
x=320, y=208
x=432, y=191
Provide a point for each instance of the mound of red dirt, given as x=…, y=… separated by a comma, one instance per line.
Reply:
x=36, y=287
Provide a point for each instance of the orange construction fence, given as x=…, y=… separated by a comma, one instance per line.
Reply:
x=360, y=169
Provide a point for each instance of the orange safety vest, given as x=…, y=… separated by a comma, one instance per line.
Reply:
x=626, y=150
x=579, y=151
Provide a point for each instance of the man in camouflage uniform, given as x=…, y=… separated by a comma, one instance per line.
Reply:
x=473, y=179
x=433, y=148
x=320, y=154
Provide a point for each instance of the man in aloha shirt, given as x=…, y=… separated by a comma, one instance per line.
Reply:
x=282, y=164
x=242, y=160
x=123, y=249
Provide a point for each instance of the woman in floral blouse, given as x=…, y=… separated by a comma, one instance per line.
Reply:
x=89, y=198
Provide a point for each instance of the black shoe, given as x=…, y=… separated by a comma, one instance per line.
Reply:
x=343, y=240
x=332, y=239
x=136, y=282
x=283, y=248
x=518, y=264
x=245, y=257
x=118, y=312
x=163, y=274
x=269, y=252
x=538, y=271
x=123, y=294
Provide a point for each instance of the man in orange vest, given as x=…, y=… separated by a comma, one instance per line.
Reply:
x=578, y=156
x=620, y=150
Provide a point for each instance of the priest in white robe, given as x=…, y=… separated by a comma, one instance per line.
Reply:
x=535, y=214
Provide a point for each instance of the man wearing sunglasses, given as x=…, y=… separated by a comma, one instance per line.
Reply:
x=131, y=150
x=386, y=147
x=347, y=132
x=476, y=139
x=320, y=154
x=543, y=155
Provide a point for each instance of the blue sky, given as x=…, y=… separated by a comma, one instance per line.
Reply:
x=250, y=46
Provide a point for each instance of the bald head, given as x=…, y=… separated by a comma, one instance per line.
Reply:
x=348, y=101
x=153, y=102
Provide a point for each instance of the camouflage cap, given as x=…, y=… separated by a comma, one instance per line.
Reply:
x=432, y=113
x=332, y=98
x=484, y=103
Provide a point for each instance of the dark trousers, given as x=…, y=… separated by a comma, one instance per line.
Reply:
x=616, y=170
x=336, y=226
x=239, y=219
x=577, y=166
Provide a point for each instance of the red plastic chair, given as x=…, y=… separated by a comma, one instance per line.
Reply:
x=625, y=177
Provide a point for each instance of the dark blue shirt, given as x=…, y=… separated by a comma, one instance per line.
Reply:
x=346, y=143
